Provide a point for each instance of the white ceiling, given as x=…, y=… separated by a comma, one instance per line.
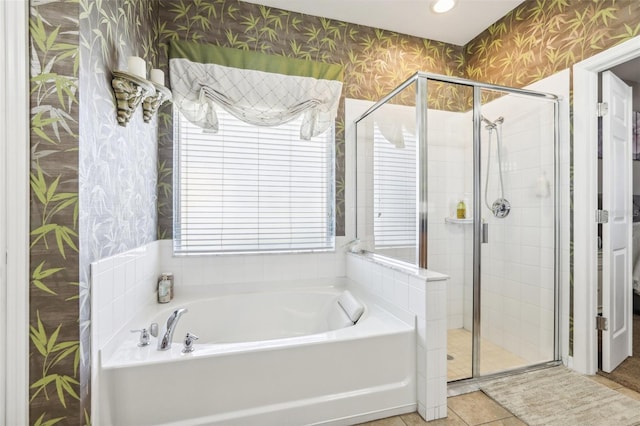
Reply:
x=413, y=17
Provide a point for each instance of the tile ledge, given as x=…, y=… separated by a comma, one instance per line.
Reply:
x=425, y=274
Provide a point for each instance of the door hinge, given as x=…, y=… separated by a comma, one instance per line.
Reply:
x=601, y=323
x=603, y=109
x=602, y=216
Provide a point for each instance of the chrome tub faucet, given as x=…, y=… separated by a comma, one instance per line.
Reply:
x=165, y=337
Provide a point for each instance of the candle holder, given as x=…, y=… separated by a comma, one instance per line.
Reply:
x=129, y=90
x=151, y=103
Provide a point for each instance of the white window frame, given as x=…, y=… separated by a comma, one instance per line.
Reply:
x=179, y=249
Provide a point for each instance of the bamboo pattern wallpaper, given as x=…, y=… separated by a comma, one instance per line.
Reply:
x=542, y=37
x=93, y=183
x=117, y=165
x=76, y=148
x=375, y=62
x=54, y=334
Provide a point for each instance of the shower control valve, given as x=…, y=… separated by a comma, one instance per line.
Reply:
x=501, y=208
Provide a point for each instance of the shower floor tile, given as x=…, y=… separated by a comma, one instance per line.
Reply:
x=493, y=358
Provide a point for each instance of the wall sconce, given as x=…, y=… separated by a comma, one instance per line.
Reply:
x=131, y=88
x=151, y=103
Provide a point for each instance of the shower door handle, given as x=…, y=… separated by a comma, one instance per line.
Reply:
x=485, y=233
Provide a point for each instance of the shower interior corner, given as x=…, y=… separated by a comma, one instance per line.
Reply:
x=511, y=181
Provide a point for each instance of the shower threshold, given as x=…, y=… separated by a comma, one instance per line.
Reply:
x=463, y=386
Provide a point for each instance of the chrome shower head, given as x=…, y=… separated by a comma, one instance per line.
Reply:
x=489, y=124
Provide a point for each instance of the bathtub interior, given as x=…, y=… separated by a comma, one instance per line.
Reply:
x=259, y=316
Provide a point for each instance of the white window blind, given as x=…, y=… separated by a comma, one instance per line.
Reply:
x=252, y=189
x=394, y=192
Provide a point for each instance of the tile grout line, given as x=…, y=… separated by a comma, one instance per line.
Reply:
x=459, y=416
x=503, y=407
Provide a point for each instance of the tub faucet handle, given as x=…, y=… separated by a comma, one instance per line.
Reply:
x=144, y=337
x=153, y=329
x=189, y=339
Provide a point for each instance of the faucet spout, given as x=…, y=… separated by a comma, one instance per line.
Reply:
x=166, y=336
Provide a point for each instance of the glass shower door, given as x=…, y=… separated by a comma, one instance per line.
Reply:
x=517, y=257
x=450, y=213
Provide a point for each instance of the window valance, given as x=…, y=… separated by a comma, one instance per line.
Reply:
x=264, y=90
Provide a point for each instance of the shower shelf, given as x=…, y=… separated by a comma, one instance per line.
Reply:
x=455, y=220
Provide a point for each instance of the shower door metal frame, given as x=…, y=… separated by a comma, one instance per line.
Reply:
x=421, y=79
x=477, y=232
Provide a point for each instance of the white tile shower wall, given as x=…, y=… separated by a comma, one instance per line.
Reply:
x=414, y=296
x=517, y=262
x=121, y=286
x=448, y=135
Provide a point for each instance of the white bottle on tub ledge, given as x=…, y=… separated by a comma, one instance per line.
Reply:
x=164, y=289
x=170, y=278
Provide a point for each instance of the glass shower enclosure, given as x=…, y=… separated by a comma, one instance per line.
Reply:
x=460, y=177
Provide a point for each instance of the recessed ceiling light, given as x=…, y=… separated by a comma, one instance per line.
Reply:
x=442, y=6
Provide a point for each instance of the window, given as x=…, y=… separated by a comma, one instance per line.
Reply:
x=394, y=192
x=252, y=189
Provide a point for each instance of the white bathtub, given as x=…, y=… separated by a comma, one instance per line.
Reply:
x=263, y=358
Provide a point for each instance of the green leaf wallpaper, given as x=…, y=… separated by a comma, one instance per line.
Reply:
x=54, y=334
x=79, y=162
x=542, y=37
x=93, y=183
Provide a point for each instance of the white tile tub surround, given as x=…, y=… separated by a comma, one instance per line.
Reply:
x=121, y=286
x=249, y=268
x=417, y=297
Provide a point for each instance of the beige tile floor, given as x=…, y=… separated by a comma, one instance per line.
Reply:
x=476, y=408
x=493, y=358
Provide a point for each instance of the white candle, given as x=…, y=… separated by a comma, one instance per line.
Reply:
x=137, y=66
x=157, y=76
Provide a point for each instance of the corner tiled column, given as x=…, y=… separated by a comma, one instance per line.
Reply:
x=420, y=295
x=434, y=340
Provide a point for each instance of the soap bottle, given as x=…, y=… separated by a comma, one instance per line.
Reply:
x=170, y=278
x=461, y=210
x=164, y=289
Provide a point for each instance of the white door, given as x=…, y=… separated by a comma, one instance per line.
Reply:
x=616, y=233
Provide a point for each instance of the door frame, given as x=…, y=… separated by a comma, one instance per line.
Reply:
x=585, y=201
x=14, y=205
